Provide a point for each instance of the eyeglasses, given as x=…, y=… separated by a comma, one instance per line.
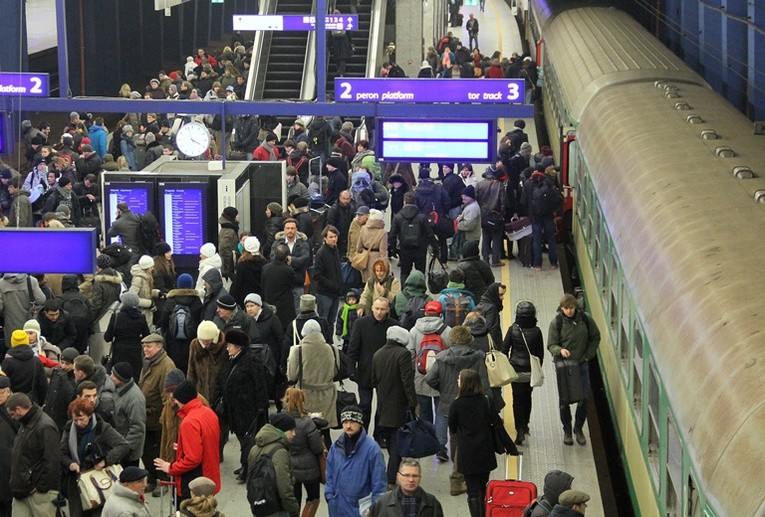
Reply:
x=410, y=476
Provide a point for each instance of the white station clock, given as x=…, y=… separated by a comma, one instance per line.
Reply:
x=193, y=139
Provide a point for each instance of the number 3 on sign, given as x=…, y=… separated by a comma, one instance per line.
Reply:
x=346, y=93
x=512, y=92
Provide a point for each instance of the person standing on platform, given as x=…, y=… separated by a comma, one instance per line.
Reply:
x=574, y=334
x=298, y=259
x=129, y=412
x=340, y=215
x=407, y=496
x=556, y=482
x=127, y=498
x=8, y=430
x=409, y=236
x=472, y=30
x=492, y=198
x=328, y=276
x=571, y=503
x=228, y=238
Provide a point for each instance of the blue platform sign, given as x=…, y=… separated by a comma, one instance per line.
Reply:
x=24, y=84
x=481, y=91
x=294, y=22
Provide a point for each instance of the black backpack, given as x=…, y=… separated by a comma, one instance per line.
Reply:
x=414, y=310
x=545, y=200
x=181, y=325
x=411, y=233
x=262, y=354
x=119, y=254
x=149, y=234
x=262, y=492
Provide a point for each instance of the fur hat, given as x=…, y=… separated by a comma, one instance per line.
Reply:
x=252, y=244
x=185, y=281
x=253, y=298
x=207, y=330
x=129, y=299
x=123, y=371
x=282, y=421
x=226, y=302
x=398, y=334
x=146, y=262
x=202, y=487
x=173, y=378
x=160, y=249
x=19, y=337
x=185, y=392
x=376, y=215
x=307, y=303
x=460, y=335
x=32, y=325
x=309, y=327
x=237, y=338
x=207, y=249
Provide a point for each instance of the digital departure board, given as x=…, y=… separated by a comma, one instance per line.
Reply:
x=139, y=196
x=182, y=216
x=435, y=140
x=76, y=245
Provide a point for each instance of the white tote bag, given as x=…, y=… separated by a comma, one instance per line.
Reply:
x=498, y=366
x=537, y=374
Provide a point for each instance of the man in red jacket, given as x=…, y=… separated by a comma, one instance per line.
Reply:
x=198, y=442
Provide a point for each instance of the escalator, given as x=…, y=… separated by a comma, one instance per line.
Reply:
x=357, y=65
x=284, y=71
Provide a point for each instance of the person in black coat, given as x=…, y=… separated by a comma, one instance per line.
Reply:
x=24, y=368
x=300, y=212
x=327, y=276
x=278, y=280
x=8, y=430
x=184, y=294
x=61, y=389
x=248, y=271
x=367, y=337
x=214, y=290
x=522, y=338
x=478, y=273
x=490, y=306
x=266, y=329
x=82, y=321
x=393, y=375
x=126, y=329
x=274, y=224
x=337, y=180
x=470, y=420
x=56, y=325
x=241, y=389
x=341, y=215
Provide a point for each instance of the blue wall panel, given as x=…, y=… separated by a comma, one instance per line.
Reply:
x=711, y=52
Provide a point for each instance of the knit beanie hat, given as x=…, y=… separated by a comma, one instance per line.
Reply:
x=469, y=191
x=104, y=261
x=397, y=334
x=207, y=330
x=226, y=302
x=252, y=244
x=460, y=335
x=173, y=378
x=19, y=337
x=207, y=249
x=307, y=303
x=353, y=414
x=185, y=281
x=309, y=327
x=146, y=262
x=282, y=421
x=376, y=215
x=275, y=208
x=129, y=299
x=33, y=325
x=160, y=249
x=230, y=212
x=69, y=354
x=123, y=371
x=254, y=298
x=185, y=392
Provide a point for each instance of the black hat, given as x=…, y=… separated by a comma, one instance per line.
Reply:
x=352, y=413
x=300, y=202
x=160, y=249
x=237, y=338
x=123, y=371
x=271, y=137
x=64, y=181
x=104, y=261
x=230, y=212
x=282, y=421
x=174, y=378
x=133, y=474
x=335, y=162
x=185, y=392
x=5, y=382
x=424, y=173
x=226, y=302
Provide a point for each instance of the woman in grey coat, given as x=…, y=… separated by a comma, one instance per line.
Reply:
x=304, y=450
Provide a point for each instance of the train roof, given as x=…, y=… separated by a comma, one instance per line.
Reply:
x=593, y=47
x=690, y=240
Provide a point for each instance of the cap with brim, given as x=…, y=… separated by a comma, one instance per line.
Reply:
x=153, y=338
x=131, y=474
x=362, y=210
x=571, y=497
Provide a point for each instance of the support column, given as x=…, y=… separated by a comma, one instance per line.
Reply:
x=410, y=35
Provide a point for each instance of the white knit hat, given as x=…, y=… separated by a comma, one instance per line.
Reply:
x=207, y=249
x=146, y=262
x=252, y=244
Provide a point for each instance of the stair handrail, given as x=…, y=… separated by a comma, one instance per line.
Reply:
x=376, y=36
x=308, y=85
x=261, y=40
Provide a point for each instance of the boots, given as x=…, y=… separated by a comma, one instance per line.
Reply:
x=474, y=505
x=310, y=508
x=457, y=486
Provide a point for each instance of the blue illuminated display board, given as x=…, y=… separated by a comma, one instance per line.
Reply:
x=183, y=213
x=294, y=22
x=435, y=140
x=15, y=84
x=139, y=196
x=72, y=250
x=481, y=91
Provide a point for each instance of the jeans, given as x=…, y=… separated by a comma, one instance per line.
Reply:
x=326, y=306
x=471, y=39
x=539, y=227
x=427, y=413
x=581, y=407
x=491, y=244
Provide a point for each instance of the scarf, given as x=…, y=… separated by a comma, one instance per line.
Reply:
x=271, y=151
x=344, y=317
x=79, y=439
x=148, y=363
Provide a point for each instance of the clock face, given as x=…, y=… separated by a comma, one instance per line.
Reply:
x=192, y=139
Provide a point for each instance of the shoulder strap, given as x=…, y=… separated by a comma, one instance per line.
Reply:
x=559, y=323
x=442, y=328
x=294, y=332
x=524, y=339
x=300, y=366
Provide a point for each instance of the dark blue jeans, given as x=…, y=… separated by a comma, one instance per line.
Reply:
x=491, y=244
x=326, y=306
x=539, y=227
x=581, y=407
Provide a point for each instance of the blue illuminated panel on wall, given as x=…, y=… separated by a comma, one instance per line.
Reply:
x=137, y=195
x=72, y=250
x=183, y=213
x=435, y=140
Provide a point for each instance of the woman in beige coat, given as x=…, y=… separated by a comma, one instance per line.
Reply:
x=142, y=284
x=319, y=363
x=373, y=237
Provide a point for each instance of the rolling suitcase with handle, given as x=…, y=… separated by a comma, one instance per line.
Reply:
x=509, y=497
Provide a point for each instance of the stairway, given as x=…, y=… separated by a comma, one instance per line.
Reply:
x=284, y=71
x=357, y=65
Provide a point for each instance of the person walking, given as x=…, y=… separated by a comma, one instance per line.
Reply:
x=407, y=494
x=327, y=275
x=8, y=429
x=573, y=334
x=181, y=313
x=207, y=353
x=126, y=330
x=409, y=236
x=129, y=412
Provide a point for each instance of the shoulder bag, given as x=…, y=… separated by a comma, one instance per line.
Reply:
x=498, y=366
x=96, y=486
x=360, y=260
x=537, y=374
x=34, y=307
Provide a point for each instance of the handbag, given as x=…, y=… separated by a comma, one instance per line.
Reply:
x=344, y=398
x=360, y=260
x=437, y=280
x=323, y=467
x=34, y=307
x=498, y=366
x=503, y=444
x=96, y=485
x=417, y=438
x=537, y=375
x=351, y=277
x=493, y=221
x=344, y=366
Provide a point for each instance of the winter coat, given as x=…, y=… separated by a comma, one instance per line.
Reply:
x=354, y=230
x=197, y=453
x=35, y=464
x=206, y=265
x=107, y=286
x=237, y=320
x=367, y=337
x=129, y=418
x=407, y=215
x=565, y=511
x=278, y=281
x=295, y=330
x=393, y=375
x=556, y=482
x=128, y=226
x=305, y=449
x=491, y=196
x=246, y=134
x=443, y=375
x=490, y=308
x=210, y=299
x=301, y=256
x=298, y=188
x=327, y=276
x=142, y=284
x=304, y=220
x=389, y=506
x=124, y=502
x=373, y=288
x=470, y=419
x=319, y=360
x=478, y=274
x=453, y=185
x=178, y=349
x=273, y=442
x=274, y=225
x=90, y=164
x=205, y=363
x=373, y=237
x=61, y=332
x=98, y=139
x=337, y=183
x=414, y=286
x=15, y=302
x=107, y=445
x=127, y=327
x=8, y=430
x=352, y=477
x=241, y=386
x=469, y=221
x=228, y=238
x=152, y=384
x=340, y=217
x=426, y=325
x=20, y=215
x=430, y=197
x=247, y=278
x=580, y=335
x=26, y=373
x=61, y=391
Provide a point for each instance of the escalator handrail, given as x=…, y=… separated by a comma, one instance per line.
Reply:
x=257, y=73
x=376, y=36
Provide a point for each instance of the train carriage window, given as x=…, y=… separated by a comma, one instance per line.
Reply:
x=693, y=504
x=674, y=469
x=637, y=377
x=654, y=432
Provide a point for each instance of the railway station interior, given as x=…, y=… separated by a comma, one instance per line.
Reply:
x=651, y=115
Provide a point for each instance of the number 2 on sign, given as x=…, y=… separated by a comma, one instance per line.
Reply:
x=512, y=92
x=346, y=93
x=37, y=82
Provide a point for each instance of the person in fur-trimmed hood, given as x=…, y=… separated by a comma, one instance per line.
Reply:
x=228, y=238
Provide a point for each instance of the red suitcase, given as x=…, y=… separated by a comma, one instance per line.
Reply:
x=508, y=498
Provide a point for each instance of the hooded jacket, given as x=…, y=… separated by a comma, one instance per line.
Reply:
x=414, y=286
x=579, y=334
x=407, y=215
x=423, y=326
x=478, y=274
x=107, y=286
x=442, y=376
x=210, y=299
x=98, y=139
x=490, y=307
x=556, y=482
x=26, y=373
x=15, y=302
x=273, y=442
x=20, y=215
x=206, y=265
x=248, y=278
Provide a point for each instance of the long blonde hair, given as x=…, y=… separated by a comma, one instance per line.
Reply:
x=294, y=402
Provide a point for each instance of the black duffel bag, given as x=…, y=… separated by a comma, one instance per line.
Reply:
x=417, y=438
